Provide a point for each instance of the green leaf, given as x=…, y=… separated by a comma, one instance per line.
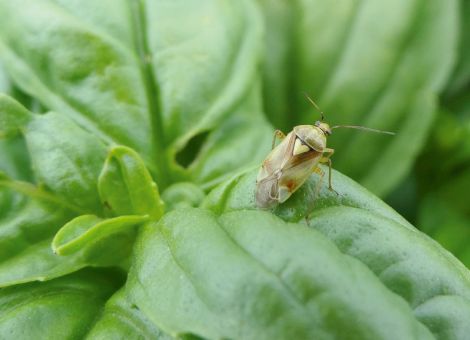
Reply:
x=248, y=274
x=29, y=218
x=27, y=225
x=14, y=159
x=100, y=242
x=206, y=118
x=117, y=75
x=371, y=63
x=183, y=194
x=240, y=142
x=77, y=68
x=60, y=309
x=123, y=320
x=126, y=187
x=66, y=158
x=408, y=262
x=216, y=38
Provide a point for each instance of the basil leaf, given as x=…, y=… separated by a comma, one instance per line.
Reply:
x=123, y=320
x=90, y=75
x=27, y=225
x=96, y=241
x=248, y=274
x=407, y=261
x=29, y=218
x=183, y=194
x=118, y=78
x=66, y=158
x=60, y=309
x=126, y=187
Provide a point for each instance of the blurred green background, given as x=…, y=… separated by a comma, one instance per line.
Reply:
x=395, y=65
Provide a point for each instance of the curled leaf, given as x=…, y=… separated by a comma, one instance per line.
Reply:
x=89, y=234
x=126, y=187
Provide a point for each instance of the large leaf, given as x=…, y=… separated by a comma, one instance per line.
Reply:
x=250, y=275
x=60, y=309
x=373, y=63
x=407, y=261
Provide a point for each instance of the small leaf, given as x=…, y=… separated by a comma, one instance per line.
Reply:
x=64, y=308
x=183, y=194
x=91, y=234
x=126, y=187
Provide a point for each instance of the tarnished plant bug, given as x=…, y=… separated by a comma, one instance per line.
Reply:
x=291, y=162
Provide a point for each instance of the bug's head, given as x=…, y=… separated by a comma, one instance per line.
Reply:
x=325, y=127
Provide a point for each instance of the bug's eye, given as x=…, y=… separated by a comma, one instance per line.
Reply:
x=317, y=123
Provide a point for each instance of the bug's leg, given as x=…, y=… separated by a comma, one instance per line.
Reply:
x=321, y=173
x=278, y=134
x=327, y=159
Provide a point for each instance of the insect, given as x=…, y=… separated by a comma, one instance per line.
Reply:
x=291, y=162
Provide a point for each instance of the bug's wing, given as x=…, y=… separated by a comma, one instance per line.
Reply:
x=279, y=156
x=267, y=192
x=296, y=172
x=267, y=188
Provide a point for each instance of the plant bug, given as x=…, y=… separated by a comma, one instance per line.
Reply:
x=291, y=162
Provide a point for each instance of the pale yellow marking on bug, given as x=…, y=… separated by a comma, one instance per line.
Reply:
x=299, y=147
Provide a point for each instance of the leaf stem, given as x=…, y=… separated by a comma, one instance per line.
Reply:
x=151, y=91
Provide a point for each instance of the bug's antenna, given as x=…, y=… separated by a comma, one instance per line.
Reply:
x=363, y=128
x=315, y=106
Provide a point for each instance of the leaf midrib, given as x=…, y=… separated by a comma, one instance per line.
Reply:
x=152, y=93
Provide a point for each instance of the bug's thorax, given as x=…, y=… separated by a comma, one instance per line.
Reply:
x=310, y=136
